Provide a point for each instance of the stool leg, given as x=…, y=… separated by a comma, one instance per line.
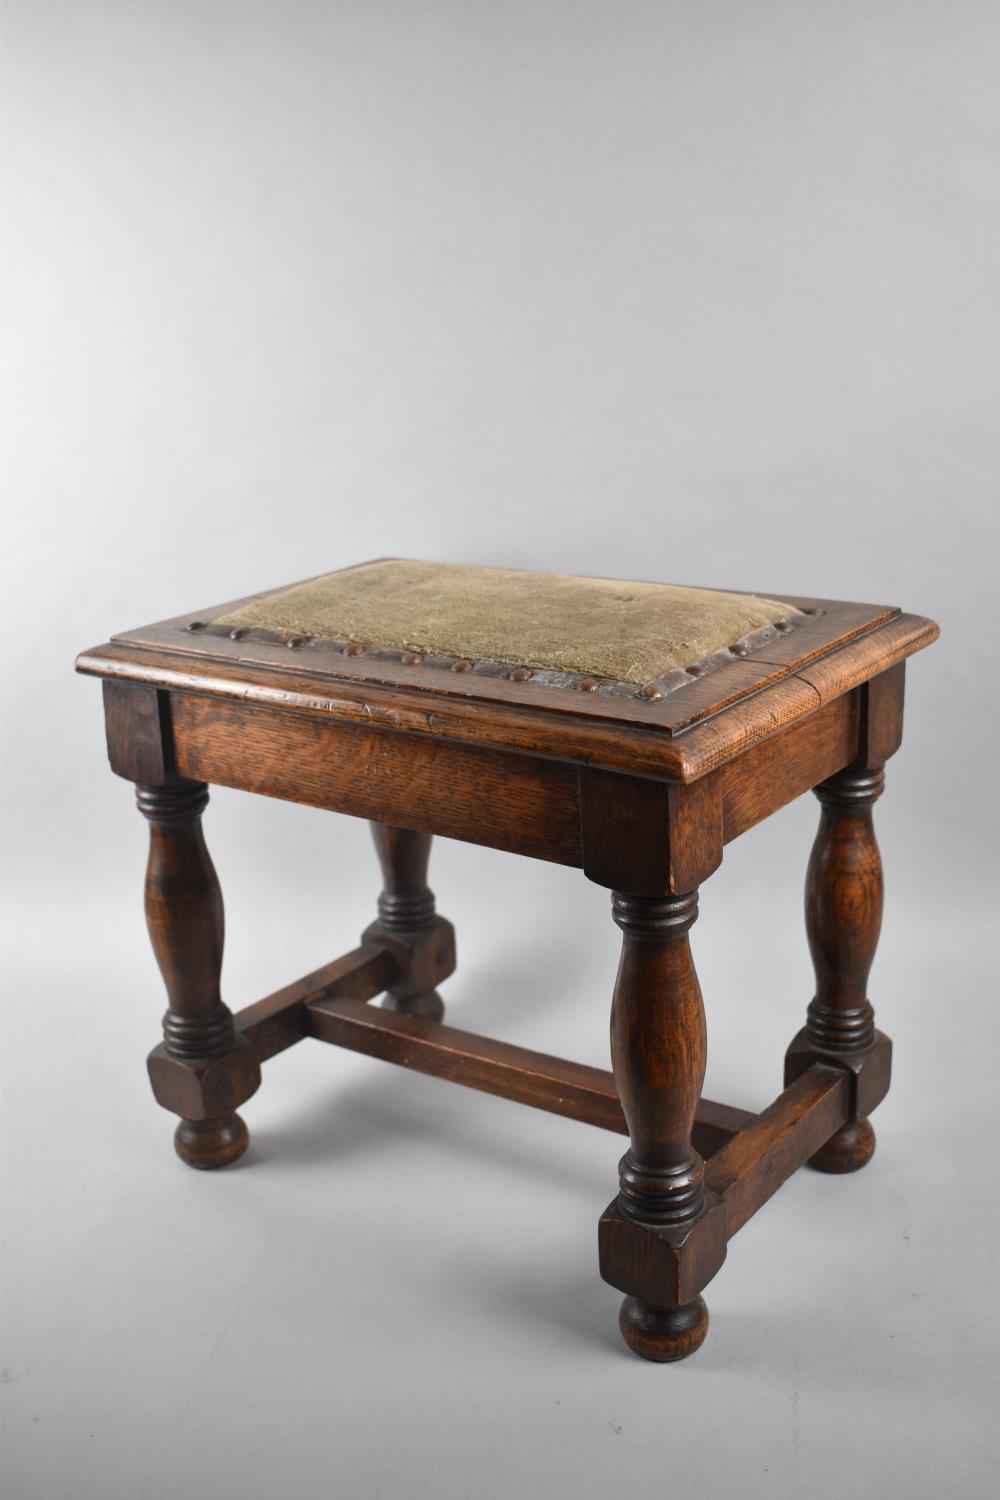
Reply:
x=423, y=942
x=660, y=1240
x=843, y=917
x=184, y=915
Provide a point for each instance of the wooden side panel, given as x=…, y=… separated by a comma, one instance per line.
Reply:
x=793, y=761
x=512, y=802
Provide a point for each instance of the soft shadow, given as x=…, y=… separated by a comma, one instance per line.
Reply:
x=371, y=1118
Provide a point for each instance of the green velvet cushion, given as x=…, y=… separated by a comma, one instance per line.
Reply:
x=628, y=632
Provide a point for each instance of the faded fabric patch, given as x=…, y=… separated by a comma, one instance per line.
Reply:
x=628, y=632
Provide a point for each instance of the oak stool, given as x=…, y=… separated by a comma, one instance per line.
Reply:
x=630, y=730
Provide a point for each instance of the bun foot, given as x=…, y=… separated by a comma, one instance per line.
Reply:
x=211, y=1143
x=848, y=1151
x=428, y=1007
x=663, y=1333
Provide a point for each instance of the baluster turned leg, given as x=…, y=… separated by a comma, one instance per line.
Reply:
x=661, y=1241
x=424, y=942
x=184, y=915
x=843, y=918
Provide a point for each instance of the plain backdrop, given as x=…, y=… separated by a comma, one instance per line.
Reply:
x=704, y=293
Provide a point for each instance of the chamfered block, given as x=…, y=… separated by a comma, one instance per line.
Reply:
x=204, y=1088
x=870, y=1071
x=662, y=1264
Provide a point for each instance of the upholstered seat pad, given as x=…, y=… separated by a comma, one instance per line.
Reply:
x=628, y=632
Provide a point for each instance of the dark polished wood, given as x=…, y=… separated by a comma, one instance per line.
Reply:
x=642, y=790
x=407, y=919
x=184, y=915
x=754, y=1163
x=843, y=920
x=565, y=1088
x=658, y=1052
x=663, y=1334
x=279, y=1020
x=520, y=803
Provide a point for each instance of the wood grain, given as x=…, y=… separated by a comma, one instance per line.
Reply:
x=753, y=1164
x=184, y=915
x=658, y=1053
x=549, y=1083
x=773, y=773
x=524, y=805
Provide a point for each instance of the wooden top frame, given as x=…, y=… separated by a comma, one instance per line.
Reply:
x=710, y=714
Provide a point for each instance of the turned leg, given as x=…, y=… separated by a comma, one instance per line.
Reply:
x=423, y=942
x=663, y=1238
x=202, y=1070
x=843, y=918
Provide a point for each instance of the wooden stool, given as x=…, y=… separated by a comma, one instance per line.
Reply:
x=629, y=730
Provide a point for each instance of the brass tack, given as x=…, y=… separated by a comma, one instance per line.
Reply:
x=739, y=649
x=651, y=692
x=354, y=649
x=462, y=666
x=783, y=625
x=812, y=611
x=411, y=659
x=588, y=685
x=237, y=634
x=196, y=625
x=522, y=674
x=696, y=671
x=297, y=640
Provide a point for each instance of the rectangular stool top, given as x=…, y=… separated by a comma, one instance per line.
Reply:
x=591, y=669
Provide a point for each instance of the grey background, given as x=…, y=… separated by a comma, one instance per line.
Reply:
x=703, y=293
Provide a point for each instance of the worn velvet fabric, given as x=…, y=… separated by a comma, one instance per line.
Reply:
x=628, y=632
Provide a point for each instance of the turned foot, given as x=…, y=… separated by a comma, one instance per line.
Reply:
x=849, y=1150
x=211, y=1143
x=663, y=1333
x=429, y=1006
